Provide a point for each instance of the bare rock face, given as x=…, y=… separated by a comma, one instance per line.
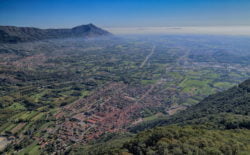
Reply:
x=12, y=34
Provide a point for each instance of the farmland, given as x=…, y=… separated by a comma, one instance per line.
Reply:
x=57, y=93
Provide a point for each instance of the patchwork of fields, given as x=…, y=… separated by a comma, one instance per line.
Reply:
x=80, y=90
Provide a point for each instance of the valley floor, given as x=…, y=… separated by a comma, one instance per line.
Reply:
x=56, y=94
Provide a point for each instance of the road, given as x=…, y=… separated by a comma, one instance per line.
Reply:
x=148, y=56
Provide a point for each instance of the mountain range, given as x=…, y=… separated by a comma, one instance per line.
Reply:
x=13, y=34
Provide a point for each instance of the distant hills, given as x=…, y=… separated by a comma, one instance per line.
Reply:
x=13, y=34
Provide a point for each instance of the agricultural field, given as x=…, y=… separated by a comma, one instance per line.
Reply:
x=57, y=93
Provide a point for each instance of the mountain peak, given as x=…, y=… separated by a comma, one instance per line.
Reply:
x=90, y=29
x=90, y=25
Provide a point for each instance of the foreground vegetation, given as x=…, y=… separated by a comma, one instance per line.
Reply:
x=217, y=125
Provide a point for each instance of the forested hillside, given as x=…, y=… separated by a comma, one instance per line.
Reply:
x=217, y=125
x=227, y=110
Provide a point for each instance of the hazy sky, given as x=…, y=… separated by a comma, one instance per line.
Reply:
x=210, y=30
x=125, y=13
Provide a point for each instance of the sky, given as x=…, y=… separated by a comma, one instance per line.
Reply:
x=115, y=14
x=125, y=13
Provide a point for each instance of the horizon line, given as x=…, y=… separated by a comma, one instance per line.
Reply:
x=214, y=30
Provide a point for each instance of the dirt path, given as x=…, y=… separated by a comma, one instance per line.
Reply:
x=3, y=142
x=148, y=56
x=175, y=108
